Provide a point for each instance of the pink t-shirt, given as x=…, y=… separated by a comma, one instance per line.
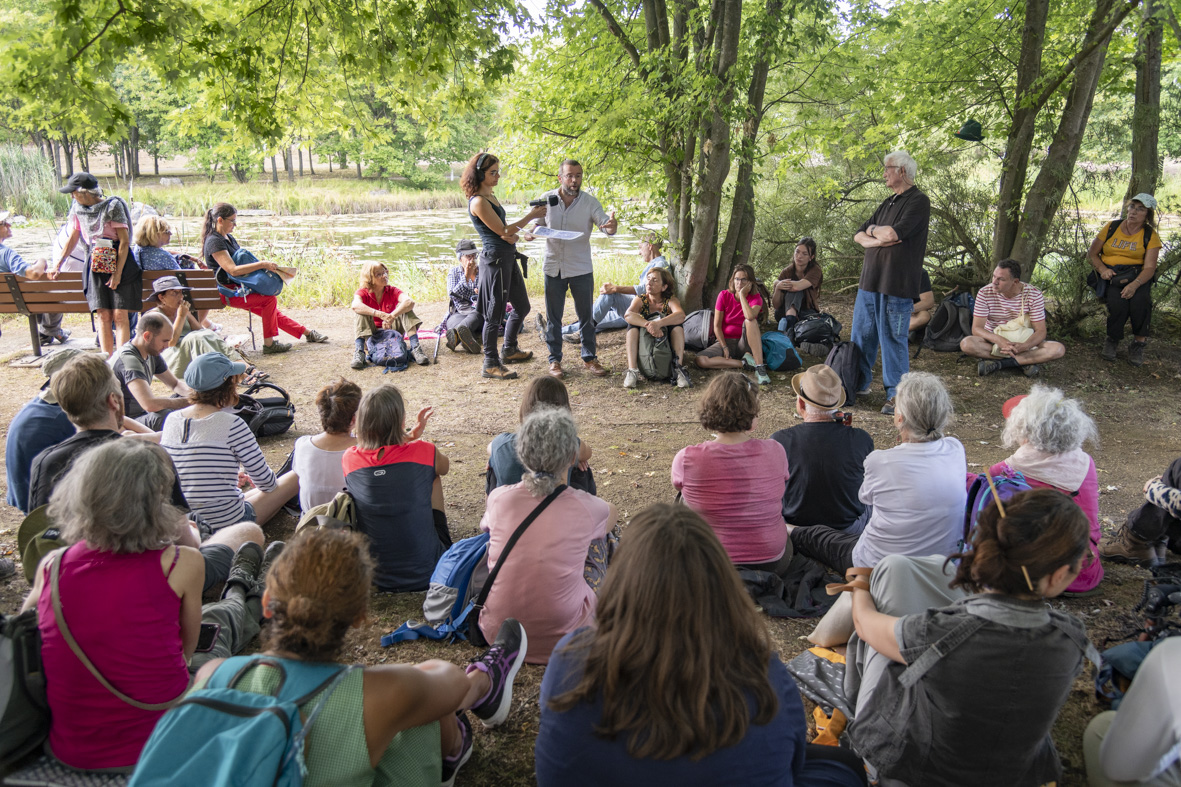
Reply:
x=1087, y=498
x=732, y=314
x=739, y=490
x=542, y=584
x=109, y=230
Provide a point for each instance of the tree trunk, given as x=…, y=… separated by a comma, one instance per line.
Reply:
x=274, y=170
x=330, y=165
x=83, y=155
x=134, y=144
x=300, y=151
x=1146, y=163
x=359, y=176
x=155, y=163
x=116, y=157
x=290, y=165
x=312, y=167
x=57, y=162
x=68, y=150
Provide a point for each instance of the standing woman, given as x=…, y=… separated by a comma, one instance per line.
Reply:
x=1125, y=260
x=500, y=280
x=113, y=282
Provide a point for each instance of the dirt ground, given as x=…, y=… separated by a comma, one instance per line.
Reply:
x=635, y=434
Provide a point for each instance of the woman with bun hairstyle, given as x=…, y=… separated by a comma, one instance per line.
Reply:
x=500, y=280
x=400, y=724
x=950, y=688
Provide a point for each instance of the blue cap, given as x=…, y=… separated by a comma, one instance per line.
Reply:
x=210, y=370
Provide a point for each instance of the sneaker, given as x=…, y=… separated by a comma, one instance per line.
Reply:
x=498, y=373
x=244, y=569
x=1109, y=348
x=985, y=368
x=62, y=336
x=275, y=347
x=682, y=377
x=419, y=355
x=45, y=339
x=274, y=549
x=748, y=362
x=572, y=338
x=312, y=336
x=1033, y=370
x=1126, y=547
x=468, y=340
x=1136, y=353
x=761, y=375
x=631, y=378
x=539, y=323
x=359, y=360
x=452, y=339
x=514, y=354
x=501, y=662
x=451, y=765
x=888, y=407
x=595, y=368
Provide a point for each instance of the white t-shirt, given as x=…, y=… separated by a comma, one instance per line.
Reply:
x=321, y=475
x=1145, y=737
x=918, y=495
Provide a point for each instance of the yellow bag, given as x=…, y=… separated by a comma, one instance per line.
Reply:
x=1016, y=330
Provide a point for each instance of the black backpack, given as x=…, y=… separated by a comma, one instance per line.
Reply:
x=266, y=415
x=699, y=329
x=949, y=325
x=845, y=360
x=817, y=328
x=24, y=717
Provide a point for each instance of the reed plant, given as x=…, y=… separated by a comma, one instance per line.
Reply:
x=27, y=184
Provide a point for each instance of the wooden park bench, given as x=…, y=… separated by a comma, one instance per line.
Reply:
x=63, y=295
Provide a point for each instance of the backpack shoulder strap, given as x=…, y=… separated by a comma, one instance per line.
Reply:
x=937, y=650
x=1112, y=226
x=479, y=602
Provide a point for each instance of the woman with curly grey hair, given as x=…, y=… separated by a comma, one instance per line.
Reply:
x=914, y=492
x=1048, y=431
x=546, y=581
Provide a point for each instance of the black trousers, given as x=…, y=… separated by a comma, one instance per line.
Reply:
x=1119, y=310
x=827, y=545
x=473, y=320
x=500, y=283
x=1154, y=524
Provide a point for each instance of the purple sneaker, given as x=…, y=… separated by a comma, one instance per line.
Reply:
x=501, y=662
x=451, y=765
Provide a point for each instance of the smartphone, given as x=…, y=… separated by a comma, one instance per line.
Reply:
x=208, y=637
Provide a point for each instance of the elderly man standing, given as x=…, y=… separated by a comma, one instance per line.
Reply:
x=895, y=242
x=568, y=265
x=611, y=305
x=49, y=326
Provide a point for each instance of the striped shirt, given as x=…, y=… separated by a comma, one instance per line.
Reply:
x=461, y=291
x=207, y=452
x=998, y=310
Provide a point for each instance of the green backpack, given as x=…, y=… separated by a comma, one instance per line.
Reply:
x=656, y=356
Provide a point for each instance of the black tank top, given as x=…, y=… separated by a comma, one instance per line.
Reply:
x=491, y=241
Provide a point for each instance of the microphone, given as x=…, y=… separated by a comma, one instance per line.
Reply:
x=542, y=202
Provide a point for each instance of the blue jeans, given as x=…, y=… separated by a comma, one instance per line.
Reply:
x=607, y=314
x=582, y=289
x=881, y=319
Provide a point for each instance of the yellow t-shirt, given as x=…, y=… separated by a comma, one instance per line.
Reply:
x=1121, y=249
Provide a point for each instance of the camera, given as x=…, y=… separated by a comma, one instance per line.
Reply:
x=552, y=199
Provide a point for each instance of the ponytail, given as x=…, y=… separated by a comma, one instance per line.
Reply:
x=222, y=210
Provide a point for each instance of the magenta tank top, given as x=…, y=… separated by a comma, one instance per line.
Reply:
x=126, y=619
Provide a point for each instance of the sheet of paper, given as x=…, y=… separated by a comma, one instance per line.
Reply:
x=546, y=232
x=287, y=273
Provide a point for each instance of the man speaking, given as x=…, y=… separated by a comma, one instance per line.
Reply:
x=568, y=265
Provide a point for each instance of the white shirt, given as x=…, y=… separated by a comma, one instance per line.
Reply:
x=568, y=258
x=918, y=494
x=321, y=475
x=1145, y=737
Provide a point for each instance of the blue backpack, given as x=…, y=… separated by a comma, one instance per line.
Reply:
x=261, y=281
x=220, y=735
x=387, y=348
x=980, y=497
x=459, y=576
x=779, y=353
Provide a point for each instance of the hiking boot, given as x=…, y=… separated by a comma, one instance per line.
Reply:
x=595, y=368
x=452, y=339
x=572, y=338
x=748, y=362
x=1109, y=348
x=1127, y=547
x=555, y=370
x=312, y=336
x=498, y=373
x=451, y=765
x=500, y=663
x=1136, y=353
x=888, y=407
x=244, y=569
x=419, y=355
x=682, y=377
x=539, y=323
x=45, y=339
x=275, y=347
x=62, y=335
x=761, y=374
x=631, y=378
x=468, y=340
x=985, y=368
x=515, y=354
x=359, y=360
x=1033, y=370
x=274, y=549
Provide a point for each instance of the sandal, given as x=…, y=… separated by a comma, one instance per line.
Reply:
x=858, y=579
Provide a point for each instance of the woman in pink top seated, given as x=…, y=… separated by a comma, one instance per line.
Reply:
x=736, y=481
x=131, y=600
x=737, y=339
x=1049, y=431
x=545, y=579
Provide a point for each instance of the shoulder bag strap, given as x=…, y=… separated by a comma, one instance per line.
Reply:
x=60, y=619
x=479, y=603
x=936, y=651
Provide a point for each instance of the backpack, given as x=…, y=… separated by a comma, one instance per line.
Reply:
x=459, y=587
x=266, y=415
x=655, y=356
x=949, y=325
x=980, y=497
x=845, y=360
x=779, y=353
x=24, y=715
x=220, y=735
x=263, y=282
x=818, y=328
x=387, y=348
x=699, y=329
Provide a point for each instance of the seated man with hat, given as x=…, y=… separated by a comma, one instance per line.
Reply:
x=463, y=323
x=189, y=338
x=824, y=456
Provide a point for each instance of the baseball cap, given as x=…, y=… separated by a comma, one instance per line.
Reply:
x=52, y=365
x=79, y=180
x=1008, y=407
x=210, y=370
x=1145, y=199
x=465, y=246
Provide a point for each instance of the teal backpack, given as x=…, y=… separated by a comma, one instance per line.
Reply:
x=220, y=735
x=779, y=353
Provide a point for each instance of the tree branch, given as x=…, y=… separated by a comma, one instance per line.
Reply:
x=1096, y=37
x=100, y=33
x=617, y=31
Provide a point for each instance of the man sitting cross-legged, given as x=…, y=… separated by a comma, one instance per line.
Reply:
x=141, y=359
x=1000, y=307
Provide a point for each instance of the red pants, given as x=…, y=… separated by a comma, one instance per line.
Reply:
x=267, y=307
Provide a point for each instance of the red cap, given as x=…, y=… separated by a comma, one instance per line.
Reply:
x=1007, y=408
